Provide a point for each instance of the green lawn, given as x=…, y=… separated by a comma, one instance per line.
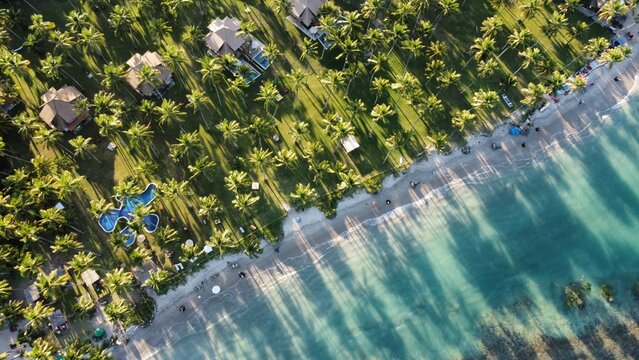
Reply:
x=102, y=174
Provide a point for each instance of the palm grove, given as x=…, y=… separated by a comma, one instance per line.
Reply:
x=403, y=77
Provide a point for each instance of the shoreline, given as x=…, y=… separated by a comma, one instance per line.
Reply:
x=559, y=121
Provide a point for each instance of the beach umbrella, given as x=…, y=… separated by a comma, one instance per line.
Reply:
x=189, y=242
x=99, y=332
x=216, y=289
x=207, y=249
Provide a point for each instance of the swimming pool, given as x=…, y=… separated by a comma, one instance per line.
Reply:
x=109, y=220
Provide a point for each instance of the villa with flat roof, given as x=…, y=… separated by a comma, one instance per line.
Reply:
x=153, y=60
x=59, y=108
x=224, y=39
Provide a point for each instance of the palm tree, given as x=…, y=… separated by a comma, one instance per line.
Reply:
x=191, y=35
x=170, y=112
x=150, y=75
x=484, y=99
x=231, y=130
x=222, y=241
x=308, y=48
x=187, y=145
x=381, y=113
x=414, y=47
x=92, y=40
x=286, y=158
x=37, y=314
x=491, y=26
x=237, y=86
x=197, y=100
x=138, y=134
x=284, y=6
x=615, y=55
x=340, y=129
x=212, y=72
x=27, y=123
x=164, y=236
x=555, y=23
x=261, y=158
x=109, y=125
x=202, y=165
x=297, y=78
x=486, y=67
x=534, y=94
x=333, y=79
x=350, y=49
x=236, y=179
x=51, y=218
x=5, y=290
x=531, y=8
x=41, y=349
x=532, y=56
x=117, y=280
x=121, y=19
x=173, y=57
x=50, y=66
x=483, y=47
x=244, y=203
x=448, y=78
x=76, y=20
x=595, y=46
x=398, y=141
x=50, y=284
x=118, y=311
x=612, y=9
x=304, y=194
x=298, y=130
x=209, y=206
x=272, y=52
x=65, y=243
x=82, y=147
x=113, y=75
x=29, y=264
x=81, y=261
x=157, y=279
x=440, y=141
x=448, y=7
x=520, y=38
x=173, y=189
x=380, y=86
x=578, y=83
x=397, y=32
x=139, y=255
x=269, y=95
x=463, y=120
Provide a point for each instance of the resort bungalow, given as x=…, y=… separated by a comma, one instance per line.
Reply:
x=59, y=109
x=223, y=39
x=153, y=60
x=305, y=16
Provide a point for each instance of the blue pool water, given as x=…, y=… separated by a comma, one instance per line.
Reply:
x=109, y=220
x=261, y=61
x=486, y=263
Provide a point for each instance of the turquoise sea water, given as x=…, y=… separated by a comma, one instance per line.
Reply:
x=485, y=262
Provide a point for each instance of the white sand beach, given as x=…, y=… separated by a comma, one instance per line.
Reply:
x=304, y=230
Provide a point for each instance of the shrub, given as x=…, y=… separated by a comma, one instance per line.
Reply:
x=575, y=294
x=607, y=292
x=372, y=184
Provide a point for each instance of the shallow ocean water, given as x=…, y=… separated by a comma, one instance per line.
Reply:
x=481, y=261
